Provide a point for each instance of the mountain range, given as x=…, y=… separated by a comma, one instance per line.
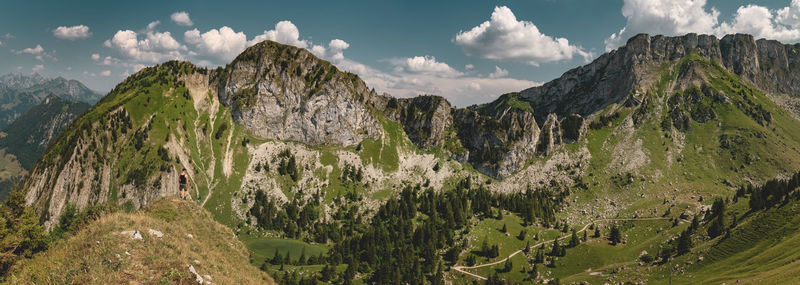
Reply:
x=283, y=147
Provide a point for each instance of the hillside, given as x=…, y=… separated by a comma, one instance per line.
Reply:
x=299, y=157
x=28, y=137
x=174, y=238
x=19, y=93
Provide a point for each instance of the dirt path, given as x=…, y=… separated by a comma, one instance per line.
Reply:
x=462, y=269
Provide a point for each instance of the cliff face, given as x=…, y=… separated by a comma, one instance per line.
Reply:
x=130, y=146
x=286, y=93
x=29, y=135
x=615, y=76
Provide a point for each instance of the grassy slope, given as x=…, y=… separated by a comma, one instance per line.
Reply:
x=100, y=255
x=702, y=171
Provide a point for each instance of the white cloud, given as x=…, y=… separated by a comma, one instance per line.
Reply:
x=790, y=15
x=37, y=68
x=424, y=65
x=762, y=23
x=154, y=47
x=469, y=66
x=334, y=52
x=72, y=33
x=108, y=60
x=677, y=17
x=34, y=50
x=105, y=73
x=498, y=72
x=224, y=43
x=152, y=25
x=285, y=32
x=181, y=18
x=409, y=77
x=667, y=17
x=69, y=68
x=503, y=37
x=9, y=36
x=1, y=43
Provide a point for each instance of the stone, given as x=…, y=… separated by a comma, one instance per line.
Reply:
x=155, y=233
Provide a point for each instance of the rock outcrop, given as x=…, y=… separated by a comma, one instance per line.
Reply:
x=611, y=78
x=286, y=93
x=426, y=119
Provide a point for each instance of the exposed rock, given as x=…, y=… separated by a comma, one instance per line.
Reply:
x=134, y=234
x=426, y=119
x=155, y=233
x=550, y=135
x=572, y=128
x=283, y=92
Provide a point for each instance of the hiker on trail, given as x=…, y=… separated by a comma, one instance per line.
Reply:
x=183, y=179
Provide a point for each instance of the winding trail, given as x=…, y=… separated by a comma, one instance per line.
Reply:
x=463, y=269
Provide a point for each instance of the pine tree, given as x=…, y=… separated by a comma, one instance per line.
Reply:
x=277, y=259
x=684, y=242
x=508, y=266
x=596, y=232
x=556, y=250
x=615, y=236
x=504, y=229
x=717, y=227
x=438, y=279
x=302, y=259
x=584, y=236
x=573, y=242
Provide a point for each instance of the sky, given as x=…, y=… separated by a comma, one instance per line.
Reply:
x=467, y=51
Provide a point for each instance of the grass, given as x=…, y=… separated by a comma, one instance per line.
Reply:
x=100, y=255
x=264, y=248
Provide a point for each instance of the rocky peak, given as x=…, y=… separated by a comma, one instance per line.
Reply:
x=283, y=92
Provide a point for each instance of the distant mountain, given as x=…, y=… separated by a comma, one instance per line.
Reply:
x=28, y=136
x=19, y=92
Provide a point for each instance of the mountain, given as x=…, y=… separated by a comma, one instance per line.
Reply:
x=19, y=92
x=28, y=137
x=294, y=154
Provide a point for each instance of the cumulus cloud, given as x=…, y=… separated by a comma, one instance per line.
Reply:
x=407, y=77
x=334, y=52
x=108, y=60
x=181, y=18
x=469, y=66
x=1, y=43
x=37, y=68
x=224, y=43
x=667, y=17
x=285, y=32
x=498, y=72
x=677, y=17
x=34, y=50
x=424, y=65
x=105, y=73
x=763, y=23
x=503, y=37
x=72, y=33
x=154, y=46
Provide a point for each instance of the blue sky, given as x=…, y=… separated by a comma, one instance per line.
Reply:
x=469, y=52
